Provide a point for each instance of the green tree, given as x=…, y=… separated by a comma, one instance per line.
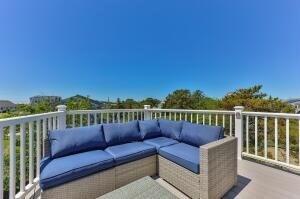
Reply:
x=253, y=99
x=79, y=104
x=185, y=99
x=150, y=101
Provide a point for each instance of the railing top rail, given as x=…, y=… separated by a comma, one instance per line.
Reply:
x=268, y=114
x=103, y=111
x=192, y=111
x=27, y=118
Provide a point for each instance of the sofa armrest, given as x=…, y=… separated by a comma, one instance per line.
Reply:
x=218, y=167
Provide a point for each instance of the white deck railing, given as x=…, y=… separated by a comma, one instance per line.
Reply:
x=22, y=136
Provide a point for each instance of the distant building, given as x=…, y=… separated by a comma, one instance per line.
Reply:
x=41, y=98
x=296, y=103
x=6, y=105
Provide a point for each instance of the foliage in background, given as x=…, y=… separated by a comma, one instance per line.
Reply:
x=186, y=99
x=132, y=104
x=253, y=99
x=79, y=104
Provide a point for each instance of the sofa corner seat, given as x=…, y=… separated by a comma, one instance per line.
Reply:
x=160, y=142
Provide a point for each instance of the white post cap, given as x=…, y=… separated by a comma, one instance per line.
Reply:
x=239, y=108
x=61, y=108
x=147, y=106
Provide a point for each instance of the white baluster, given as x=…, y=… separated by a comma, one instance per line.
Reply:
x=38, y=147
x=95, y=119
x=266, y=137
x=276, y=138
x=287, y=137
x=191, y=117
x=22, y=157
x=101, y=118
x=107, y=118
x=180, y=116
x=255, y=135
x=44, y=133
x=73, y=120
x=54, y=123
x=175, y=116
x=81, y=120
x=12, y=161
x=170, y=115
x=113, y=117
x=88, y=119
x=197, y=118
x=185, y=116
x=124, y=117
x=203, y=119
x=247, y=134
x=223, y=121
x=216, y=119
x=209, y=119
x=230, y=126
x=30, y=152
x=118, y=117
x=50, y=124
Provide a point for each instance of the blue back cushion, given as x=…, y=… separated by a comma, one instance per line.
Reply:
x=76, y=140
x=170, y=129
x=198, y=135
x=117, y=133
x=149, y=129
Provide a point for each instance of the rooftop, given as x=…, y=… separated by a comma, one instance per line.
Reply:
x=268, y=146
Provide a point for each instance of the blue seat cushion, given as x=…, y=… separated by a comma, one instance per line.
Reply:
x=117, y=133
x=170, y=129
x=76, y=140
x=198, y=135
x=58, y=171
x=149, y=129
x=130, y=151
x=160, y=142
x=182, y=154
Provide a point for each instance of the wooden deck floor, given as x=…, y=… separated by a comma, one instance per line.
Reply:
x=257, y=181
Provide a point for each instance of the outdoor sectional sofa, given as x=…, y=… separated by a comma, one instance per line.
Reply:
x=90, y=161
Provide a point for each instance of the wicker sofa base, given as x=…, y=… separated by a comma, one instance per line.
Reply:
x=181, y=178
x=91, y=186
x=132, y=171
x=218, y=173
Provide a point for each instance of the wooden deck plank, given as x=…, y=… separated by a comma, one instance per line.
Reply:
x=257, y=181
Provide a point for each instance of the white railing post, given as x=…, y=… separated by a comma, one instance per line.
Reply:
x=62, y=119
x=239, y=129
x=147, y=112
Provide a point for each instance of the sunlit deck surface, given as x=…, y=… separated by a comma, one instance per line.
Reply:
x=257, y=181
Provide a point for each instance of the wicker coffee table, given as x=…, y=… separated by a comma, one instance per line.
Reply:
x=141, y=189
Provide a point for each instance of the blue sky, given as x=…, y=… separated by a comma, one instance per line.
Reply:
x=139, y=48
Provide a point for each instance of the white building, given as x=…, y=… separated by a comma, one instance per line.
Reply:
x=6, y=105
x=296, y=103
x=40, y=98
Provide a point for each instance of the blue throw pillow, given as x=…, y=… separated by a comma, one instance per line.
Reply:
x=198, y=135
x=170, y=129
x=149, y=129
x=117, y=133
x=76, y=140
